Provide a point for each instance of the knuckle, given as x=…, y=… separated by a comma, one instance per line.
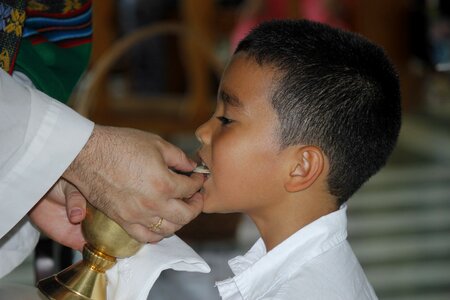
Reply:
x=163, y=186
x=147, y=206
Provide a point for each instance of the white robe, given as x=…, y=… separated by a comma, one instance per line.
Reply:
x=39, y=138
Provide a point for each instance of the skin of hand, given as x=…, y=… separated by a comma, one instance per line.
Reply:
x=127, y=174
x=53, y=217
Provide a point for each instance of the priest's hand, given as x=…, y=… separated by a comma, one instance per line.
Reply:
x=59, y=213
x=127, y=174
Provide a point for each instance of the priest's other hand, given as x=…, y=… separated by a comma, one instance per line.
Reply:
x=59, y=213
x=127, y=174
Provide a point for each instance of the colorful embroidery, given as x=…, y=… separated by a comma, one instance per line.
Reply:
x=5, y=61
x=16, y=22
x=12, y=17
x=71, y=5
x=64, y=29
x=67, y=23
x=56, y=8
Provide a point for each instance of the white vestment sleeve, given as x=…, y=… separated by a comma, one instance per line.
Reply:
x=39, y=138
x=16, y=245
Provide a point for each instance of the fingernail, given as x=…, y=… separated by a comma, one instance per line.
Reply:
x=76, y=212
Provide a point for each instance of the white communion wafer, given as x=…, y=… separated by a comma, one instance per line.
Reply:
x=201, y=169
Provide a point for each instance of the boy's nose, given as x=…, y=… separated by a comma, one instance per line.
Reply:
x=203, y=133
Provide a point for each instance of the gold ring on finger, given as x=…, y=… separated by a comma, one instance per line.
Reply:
x=156, y=226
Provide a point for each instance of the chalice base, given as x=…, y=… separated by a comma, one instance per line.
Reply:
x=106, y=241
x=77, y=282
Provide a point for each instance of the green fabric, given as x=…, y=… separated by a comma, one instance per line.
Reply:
x=53, y=70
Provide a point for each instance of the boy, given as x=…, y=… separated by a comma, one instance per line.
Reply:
x=305, y=115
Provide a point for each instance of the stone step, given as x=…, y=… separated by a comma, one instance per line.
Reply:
x=399, y=222
x=411, y=174
x=387, y=250
x=431, y=195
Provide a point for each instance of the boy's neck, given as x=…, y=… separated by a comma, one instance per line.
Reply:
x=284, y=220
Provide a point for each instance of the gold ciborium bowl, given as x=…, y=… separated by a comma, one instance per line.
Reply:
x=105, y=242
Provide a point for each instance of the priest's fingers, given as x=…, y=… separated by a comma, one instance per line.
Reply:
x=143, y=234
x=183, y=186
x=175, y=158
x=182, y=212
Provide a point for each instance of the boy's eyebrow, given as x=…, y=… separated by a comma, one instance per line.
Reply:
x=229, y=99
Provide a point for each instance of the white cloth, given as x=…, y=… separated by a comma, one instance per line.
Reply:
x=132, y=278
x=314, y=263
x=39, y=138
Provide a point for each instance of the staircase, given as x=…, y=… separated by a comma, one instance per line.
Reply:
x=399, y=222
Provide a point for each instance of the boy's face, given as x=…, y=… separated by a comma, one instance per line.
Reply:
x=239, y=142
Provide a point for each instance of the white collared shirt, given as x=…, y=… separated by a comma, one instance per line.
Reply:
x=39, y=138
x=315, y=263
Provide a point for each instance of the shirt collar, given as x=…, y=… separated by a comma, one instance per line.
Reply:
x=251, y=270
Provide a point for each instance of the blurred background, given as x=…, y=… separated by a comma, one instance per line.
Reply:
x=156, y=66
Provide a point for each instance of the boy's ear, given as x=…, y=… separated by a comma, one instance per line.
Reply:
x=305, y=166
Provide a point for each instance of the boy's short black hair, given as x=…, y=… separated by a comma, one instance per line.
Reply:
x=335, y=90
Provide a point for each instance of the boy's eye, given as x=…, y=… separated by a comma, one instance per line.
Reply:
x=224, y=120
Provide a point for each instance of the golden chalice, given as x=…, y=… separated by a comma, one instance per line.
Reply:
x=106, y=241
